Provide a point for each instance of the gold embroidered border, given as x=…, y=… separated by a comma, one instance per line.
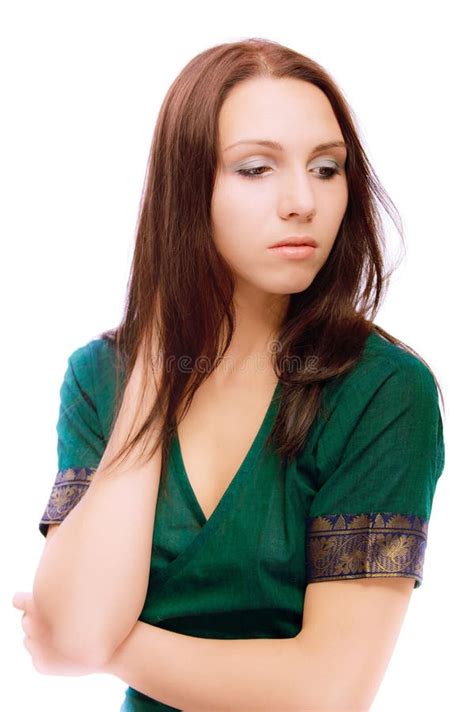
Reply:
x=69, y=486
x=375, y=544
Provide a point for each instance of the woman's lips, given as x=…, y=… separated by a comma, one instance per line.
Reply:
x=293, y=252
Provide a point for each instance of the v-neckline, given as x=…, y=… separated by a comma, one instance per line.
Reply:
x=246, y=464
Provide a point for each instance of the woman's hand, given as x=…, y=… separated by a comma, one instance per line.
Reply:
x=46, y=660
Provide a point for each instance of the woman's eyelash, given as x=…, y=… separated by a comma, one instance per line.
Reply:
x=248, y=172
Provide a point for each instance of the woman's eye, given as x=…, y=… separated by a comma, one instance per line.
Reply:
x=250, y=172
x=333, y=171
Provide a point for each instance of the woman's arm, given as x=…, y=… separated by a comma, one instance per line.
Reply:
x=209, y=675
x=92, y=578
x=336, y=662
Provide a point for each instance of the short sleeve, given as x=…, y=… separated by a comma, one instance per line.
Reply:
x=80, y=441
x=381, y=454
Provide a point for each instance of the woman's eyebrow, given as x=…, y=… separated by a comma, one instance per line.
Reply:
x=278, y=147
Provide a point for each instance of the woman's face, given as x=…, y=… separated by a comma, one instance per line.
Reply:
x=293, y=193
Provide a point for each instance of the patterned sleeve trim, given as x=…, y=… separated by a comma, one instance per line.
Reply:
x=350, y=546
x=69, y=487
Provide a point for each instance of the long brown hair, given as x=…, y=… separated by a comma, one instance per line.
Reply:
x=180, y=289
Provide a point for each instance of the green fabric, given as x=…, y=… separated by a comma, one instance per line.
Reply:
x=355, y=502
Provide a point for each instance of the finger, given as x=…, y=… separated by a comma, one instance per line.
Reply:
x=34, y=652
x=29, y=645
x=21, y=596
x=34, y=628
x=18, y=599
x=26, y=624
x=22, y=599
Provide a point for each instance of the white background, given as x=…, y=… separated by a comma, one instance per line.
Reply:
x=82, y=83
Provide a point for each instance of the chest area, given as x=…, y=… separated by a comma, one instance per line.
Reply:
x=217, y=433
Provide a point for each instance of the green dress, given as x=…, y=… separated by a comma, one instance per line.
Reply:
x=354, y=503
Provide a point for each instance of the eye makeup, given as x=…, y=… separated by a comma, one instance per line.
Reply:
x=249, y=172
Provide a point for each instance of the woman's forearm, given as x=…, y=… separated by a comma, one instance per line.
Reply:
x=209, y=675
x=92, y=578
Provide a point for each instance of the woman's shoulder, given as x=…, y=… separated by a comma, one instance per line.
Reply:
x=94, y=361
x=387, y=384
x=97, y=350
x=99, y=374
x=382, y=357
x=381, y=365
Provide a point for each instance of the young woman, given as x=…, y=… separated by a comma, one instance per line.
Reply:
x=247, y=463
